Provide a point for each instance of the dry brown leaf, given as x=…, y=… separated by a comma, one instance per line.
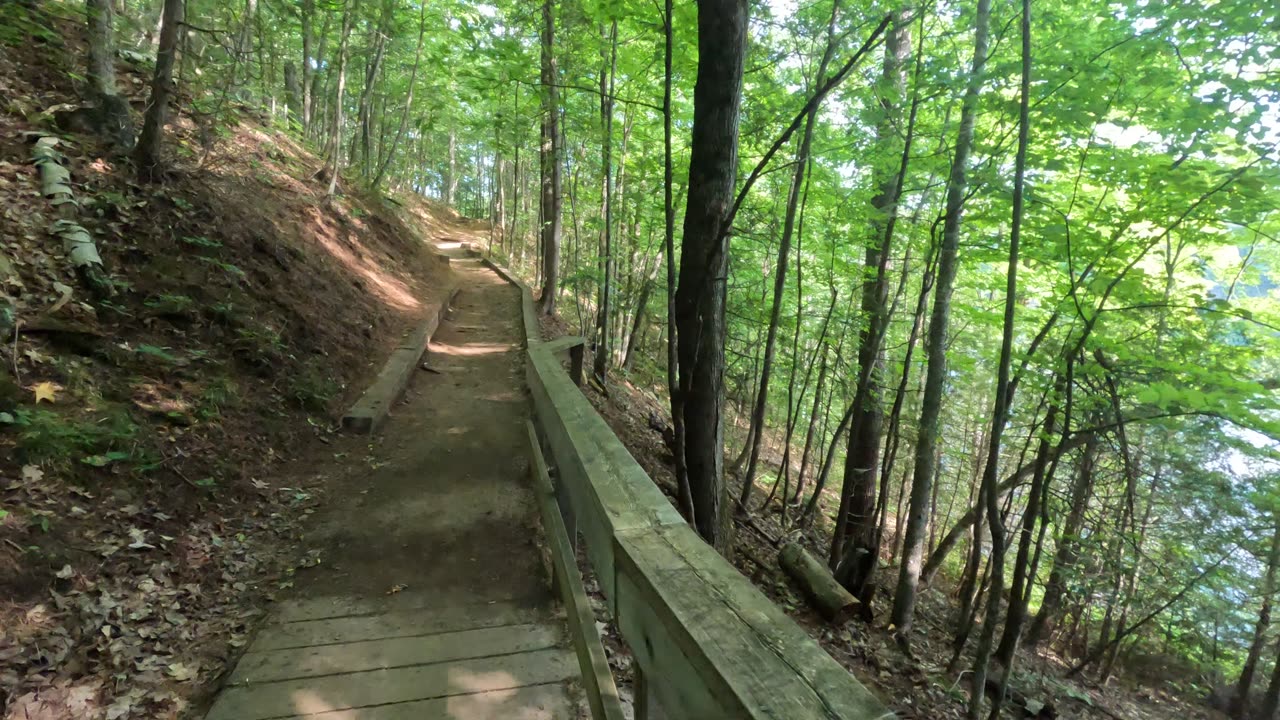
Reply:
x=45, y=391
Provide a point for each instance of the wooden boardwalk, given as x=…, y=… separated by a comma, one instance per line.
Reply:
x=494, y=662
x=432, y=602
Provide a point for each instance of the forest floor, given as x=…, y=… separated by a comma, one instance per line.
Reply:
x=913, y=688
x=146, y=516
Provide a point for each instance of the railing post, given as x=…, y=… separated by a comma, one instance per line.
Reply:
x=645, y=700
x=575, y=363
x=566, y=508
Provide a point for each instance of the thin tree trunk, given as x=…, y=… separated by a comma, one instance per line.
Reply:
x=638, y=322
x=855, y=544
x=1240, y=701
x=318, y=80
x=292, y=94
x=1271, y=699
x=1004, y=401
x=600, y=360
x=308, y=40
x=1018, y=596
x=669, y=235
x=112, y=116
x=551, y=193
x=408, y=103
x=935, y=342
x=366, y=92
x=780, y=275
x=336, y=131
x=821, y=352
x=150, y=142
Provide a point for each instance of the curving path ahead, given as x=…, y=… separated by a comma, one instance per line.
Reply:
x=432, y=601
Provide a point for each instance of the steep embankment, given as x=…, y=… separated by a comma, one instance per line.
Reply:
x=140, y=521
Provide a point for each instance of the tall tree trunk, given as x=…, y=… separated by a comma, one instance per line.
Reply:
x=366, y=92
x=935, y=343
x=821, y=352
x=700, y=295
x=609, y=65
x=638, y=322
x=241, y=72
x=551, y=195
x=408, y=108
x=150, y=142
x=308, y=14
x=1271, y=699
x=292, y=94
x=450, y=184
x=1018, y=596
x=1003, y=402
x=1240, y=701
x=855, y=545
x=335, y=133
x=893, y=433
x=318, y=81
x=112, y=117
x=780, y=274
x=669, y=237
x=1067, y=547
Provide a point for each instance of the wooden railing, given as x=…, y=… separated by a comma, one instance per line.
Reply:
x=706, y=642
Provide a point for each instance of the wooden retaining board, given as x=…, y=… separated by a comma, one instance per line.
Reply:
x=373, y=407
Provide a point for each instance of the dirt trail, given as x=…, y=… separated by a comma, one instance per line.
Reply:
x=430, y=599
x=447, y=511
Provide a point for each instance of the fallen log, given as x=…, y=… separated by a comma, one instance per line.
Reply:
x=817, y=583
x=1022, y=705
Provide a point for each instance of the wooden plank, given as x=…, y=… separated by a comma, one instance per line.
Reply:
x=562, y=344
x=647, y=705
x=396, y=685
x=597, y=678
x=293, y=663
x=325, y=608
x=537, y=702
x=332, y=631
x=691, y=605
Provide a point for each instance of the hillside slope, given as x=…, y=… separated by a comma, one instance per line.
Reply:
x=140, y=522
